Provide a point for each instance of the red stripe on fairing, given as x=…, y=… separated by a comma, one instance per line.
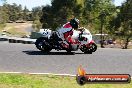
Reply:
x=67, y=25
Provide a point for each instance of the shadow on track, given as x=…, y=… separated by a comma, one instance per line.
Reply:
x=50, y=53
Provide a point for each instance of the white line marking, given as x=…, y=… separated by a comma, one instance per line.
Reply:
x=38, y=74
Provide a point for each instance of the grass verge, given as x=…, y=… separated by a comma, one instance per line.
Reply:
x=17, y=29
x=2, y=27
x=14, y=32
x=48, y=81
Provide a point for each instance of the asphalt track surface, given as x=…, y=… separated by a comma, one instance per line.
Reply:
x=26, y=58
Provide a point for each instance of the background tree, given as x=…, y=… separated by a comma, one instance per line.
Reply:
x=20, y=12
x=4, y=13
x=25, y=13
x=36, y=14
x=121, y=25
x=13, y=12
x=58, y=13
x=92, y=11
x=3, y=17
x=47, y=17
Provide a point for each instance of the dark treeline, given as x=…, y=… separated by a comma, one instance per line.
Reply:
x=87, y=11
x=14, y=12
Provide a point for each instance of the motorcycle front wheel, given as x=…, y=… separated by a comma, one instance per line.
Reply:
x=86, y=50
x=94, y=47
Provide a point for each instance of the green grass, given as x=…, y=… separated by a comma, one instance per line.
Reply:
x=1, y=27
x=15, y=29
x=48, y=81
x=14, y=32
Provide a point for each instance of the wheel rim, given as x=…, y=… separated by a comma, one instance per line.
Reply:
x=86, y=50
x=94, y=47
x=40, y=45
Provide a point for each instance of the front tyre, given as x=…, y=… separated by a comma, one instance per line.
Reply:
x=86, y=50
x=94, y=47
x=43, y=44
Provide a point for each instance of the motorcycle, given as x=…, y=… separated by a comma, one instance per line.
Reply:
x=80, y=40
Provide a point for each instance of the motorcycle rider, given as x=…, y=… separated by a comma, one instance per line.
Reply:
x=81, y=29
x=66, y=31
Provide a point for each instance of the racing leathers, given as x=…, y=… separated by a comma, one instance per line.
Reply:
x=64, y=32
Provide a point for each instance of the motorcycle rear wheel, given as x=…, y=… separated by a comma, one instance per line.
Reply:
x=43, y=45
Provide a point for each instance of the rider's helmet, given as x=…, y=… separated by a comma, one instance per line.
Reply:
x=74, y=23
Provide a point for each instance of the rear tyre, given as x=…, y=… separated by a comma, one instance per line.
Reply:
x=68, y=51
x=43, y=45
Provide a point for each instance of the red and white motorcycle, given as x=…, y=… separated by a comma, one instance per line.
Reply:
x=80, y=40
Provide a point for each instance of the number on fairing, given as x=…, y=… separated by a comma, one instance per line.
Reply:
x=45, y=32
